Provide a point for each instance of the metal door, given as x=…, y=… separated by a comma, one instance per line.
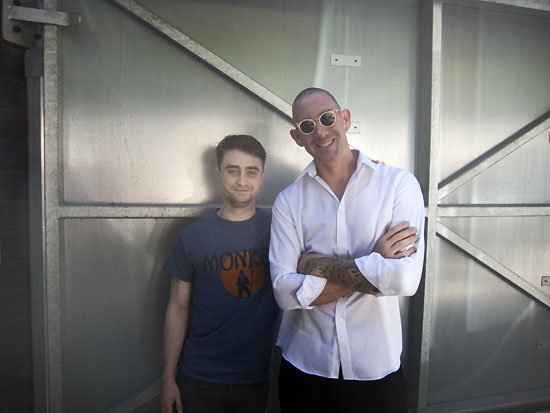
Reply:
x=486, y=104
x=135, y=98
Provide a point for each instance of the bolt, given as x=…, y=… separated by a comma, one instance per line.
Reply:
x=17, y=2
x=37, y=36
x=16, y=29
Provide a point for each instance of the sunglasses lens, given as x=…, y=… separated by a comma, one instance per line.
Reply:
x=327, y=119
x=307, y=126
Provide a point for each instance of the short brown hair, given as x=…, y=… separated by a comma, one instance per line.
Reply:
x=245, y=143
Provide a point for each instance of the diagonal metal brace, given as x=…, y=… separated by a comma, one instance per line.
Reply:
x=492, y=264
x=208, y=57
x=494, y=155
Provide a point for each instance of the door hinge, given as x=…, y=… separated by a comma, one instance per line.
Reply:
x=22, y=24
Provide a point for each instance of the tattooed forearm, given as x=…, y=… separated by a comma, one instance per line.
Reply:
x=343, y=272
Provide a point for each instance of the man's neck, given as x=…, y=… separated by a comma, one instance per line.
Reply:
x=231, y=213
x=338, y=173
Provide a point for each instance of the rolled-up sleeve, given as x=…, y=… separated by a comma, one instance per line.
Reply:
x=292, y=290
x=399, y=276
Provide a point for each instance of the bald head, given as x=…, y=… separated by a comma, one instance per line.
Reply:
x=307, y=93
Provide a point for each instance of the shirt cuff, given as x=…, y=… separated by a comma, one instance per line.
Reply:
x=311, y=288
x=368, y=266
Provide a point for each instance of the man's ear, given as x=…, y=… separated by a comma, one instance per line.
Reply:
x=346, y=118
x=217, y=173
x=297, y=136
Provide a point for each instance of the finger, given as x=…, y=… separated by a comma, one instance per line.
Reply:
x=398, y=228
x=179, y=407
x=404, y=232
x=402, y=235
x=406, y=253
x=404, y=243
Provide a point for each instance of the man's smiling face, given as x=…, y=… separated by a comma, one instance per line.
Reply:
x=240, y=176
x=325, y=144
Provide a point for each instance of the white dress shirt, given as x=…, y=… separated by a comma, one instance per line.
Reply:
x=360, y=332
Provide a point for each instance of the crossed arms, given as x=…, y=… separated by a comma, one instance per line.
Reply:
x=343, y=275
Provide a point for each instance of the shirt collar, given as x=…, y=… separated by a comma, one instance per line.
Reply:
x=362, y=159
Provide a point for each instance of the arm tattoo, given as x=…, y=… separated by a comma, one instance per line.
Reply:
x=343, y=272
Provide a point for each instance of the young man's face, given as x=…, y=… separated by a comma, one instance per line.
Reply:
x=325, y=144
x=241, y=176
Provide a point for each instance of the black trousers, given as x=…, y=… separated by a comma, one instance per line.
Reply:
x=203, y=397
x=300, y=392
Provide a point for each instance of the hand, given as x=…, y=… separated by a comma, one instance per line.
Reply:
x=304, y=260
x=170, y=394
x=394, y=243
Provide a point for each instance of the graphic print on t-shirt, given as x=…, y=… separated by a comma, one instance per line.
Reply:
x=243, y=274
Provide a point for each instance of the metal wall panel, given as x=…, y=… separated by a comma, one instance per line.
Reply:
x=286, y=46
x=485, y=330
x=523, y=177
x=494, y=81
x=132, y=121
x=131, y=118
x=138, y=109
x=114, y=296
x=141, y=117
x=520, y=243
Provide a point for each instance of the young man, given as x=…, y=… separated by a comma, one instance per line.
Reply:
x=220, y=320
x=340, y=256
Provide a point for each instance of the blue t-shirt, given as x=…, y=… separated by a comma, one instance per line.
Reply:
x=233, y=312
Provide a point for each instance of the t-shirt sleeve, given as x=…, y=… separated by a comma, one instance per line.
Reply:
x=178, y=263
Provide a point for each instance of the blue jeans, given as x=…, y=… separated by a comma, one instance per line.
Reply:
x=204, y=397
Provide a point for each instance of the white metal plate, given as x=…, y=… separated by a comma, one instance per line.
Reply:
x=345, y=60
